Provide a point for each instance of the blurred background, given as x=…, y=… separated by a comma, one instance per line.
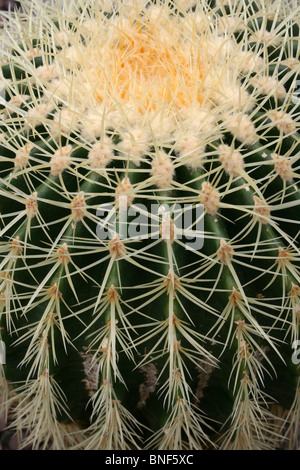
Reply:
x=4, y=4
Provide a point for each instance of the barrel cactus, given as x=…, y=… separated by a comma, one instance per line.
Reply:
x=150, y=278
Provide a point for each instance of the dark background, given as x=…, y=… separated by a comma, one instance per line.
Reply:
x=4, y=4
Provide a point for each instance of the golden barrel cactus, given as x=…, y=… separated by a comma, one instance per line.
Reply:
x=149, y=211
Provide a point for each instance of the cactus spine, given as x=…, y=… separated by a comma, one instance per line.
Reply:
x=129, y=131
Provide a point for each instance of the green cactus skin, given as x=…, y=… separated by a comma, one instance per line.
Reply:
x=141, y=343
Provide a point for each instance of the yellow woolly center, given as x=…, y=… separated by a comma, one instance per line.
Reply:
x=142, y=67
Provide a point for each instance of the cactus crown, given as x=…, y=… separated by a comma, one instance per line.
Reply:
x=149, y=289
